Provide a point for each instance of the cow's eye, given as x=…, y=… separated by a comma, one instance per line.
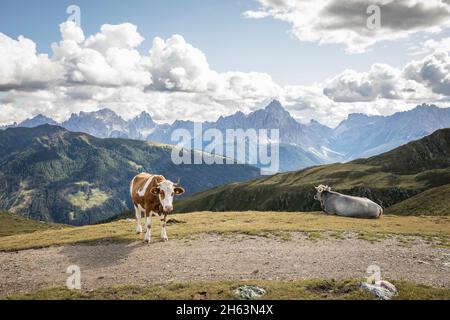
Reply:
x=172, y=194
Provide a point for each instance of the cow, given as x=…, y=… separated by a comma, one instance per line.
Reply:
x=153, y=196
x=347, y=206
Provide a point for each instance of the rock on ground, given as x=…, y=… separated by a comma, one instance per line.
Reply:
x=383, y=290
x=249, y=292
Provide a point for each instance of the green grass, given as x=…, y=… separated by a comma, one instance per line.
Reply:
x=435, y=201
x=185, y=226
x=13, y=224
x=84, y=201
x=224, y=290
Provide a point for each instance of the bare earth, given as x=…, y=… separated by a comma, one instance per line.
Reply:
x=217, y=257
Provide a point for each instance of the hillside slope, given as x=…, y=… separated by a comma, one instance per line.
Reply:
x=13, y=224
x=435, y=201
x=387, y=179
x=51, y=174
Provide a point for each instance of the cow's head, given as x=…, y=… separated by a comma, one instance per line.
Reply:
x=320, y=190
x=166, y=190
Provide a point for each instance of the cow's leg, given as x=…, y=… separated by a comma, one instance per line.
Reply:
x=148, y=226
x=163, y=228
x=138, y=213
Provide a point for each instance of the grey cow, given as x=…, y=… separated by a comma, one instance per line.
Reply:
x=347, y=206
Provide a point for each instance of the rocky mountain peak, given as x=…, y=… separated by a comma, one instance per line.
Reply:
x=143, y=120
x=36, y=121
x=275, y=108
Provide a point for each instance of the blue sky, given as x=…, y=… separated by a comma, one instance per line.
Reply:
x=319, y=58
x=217, y=27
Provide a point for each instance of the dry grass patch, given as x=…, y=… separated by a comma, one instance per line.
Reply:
x=13, y=224
x=250, y=223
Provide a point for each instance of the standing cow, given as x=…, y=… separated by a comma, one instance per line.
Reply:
x=153, y=196
x=347, y=206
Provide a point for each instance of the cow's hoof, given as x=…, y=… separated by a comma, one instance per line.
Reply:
x=147, y=241
x=165, y=239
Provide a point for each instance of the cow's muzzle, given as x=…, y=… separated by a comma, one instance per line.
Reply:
x=168, y=209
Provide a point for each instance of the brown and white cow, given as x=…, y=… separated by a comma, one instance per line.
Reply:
x=153, y=196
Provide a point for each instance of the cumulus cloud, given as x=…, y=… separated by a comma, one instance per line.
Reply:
x=433, y=71
x=380, y=82
x=175, y=81
x=123, y=36
x=178, y=66
x=108, y=58
x=345, y=21
x=22, y=67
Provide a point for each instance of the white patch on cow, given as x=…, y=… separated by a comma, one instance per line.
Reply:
x=138, y=219
x=148, y=222
x=141, y=192
x=167, y=187
x=148, y=227
x=131, y=186
x=163, y=230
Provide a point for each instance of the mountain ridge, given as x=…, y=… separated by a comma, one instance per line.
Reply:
x=302, y=145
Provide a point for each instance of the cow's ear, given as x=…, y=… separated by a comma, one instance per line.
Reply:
x=179, y=190
x=154, y=190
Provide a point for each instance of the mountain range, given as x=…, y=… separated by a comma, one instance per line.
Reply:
x=300, y=145
x=51, y=174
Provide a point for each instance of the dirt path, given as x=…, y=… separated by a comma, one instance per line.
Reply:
x=215, y=257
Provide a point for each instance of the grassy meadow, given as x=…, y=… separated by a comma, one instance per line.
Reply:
x=276, y=224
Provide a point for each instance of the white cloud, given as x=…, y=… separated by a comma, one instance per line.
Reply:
x=108, y=58
x=175, y=81
x=380, y=82
x=22, y=67
x=433, y=71
x=345, y=21
x=123, y=36
x=178, y=66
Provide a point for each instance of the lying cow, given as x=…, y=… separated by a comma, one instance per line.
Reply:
x=153, y=196
x=347, y=206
